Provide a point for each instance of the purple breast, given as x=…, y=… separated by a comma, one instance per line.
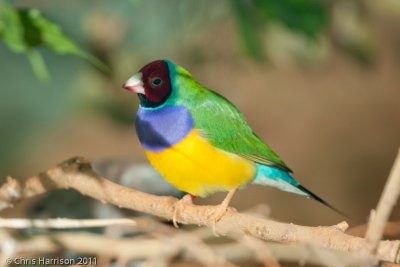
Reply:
x=161, y=128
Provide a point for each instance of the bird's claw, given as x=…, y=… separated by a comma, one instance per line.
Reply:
x=180, y=205
x=217, y=215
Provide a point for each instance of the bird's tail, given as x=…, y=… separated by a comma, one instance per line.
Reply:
x=282, y=180
x=320, y=200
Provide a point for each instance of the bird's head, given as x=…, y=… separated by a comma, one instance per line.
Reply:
x=152, y=83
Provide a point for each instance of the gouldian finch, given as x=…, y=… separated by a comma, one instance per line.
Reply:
x=199, y=141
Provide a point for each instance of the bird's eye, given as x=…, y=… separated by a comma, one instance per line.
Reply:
x=156, y=81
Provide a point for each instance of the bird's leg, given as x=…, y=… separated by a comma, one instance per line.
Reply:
x=186, y=200
x=223, y=207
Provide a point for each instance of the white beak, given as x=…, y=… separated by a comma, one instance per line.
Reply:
x=135, y=84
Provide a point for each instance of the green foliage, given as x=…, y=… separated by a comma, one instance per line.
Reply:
x=309, y=17
x=26, y=30
x=248, y=25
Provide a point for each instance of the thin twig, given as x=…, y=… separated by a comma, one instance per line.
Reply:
x=386, y=203
x=260, y=249
x=62, y=223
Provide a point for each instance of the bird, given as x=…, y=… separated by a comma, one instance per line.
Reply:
x=200, y=142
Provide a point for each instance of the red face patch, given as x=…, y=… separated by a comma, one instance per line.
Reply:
x=156, y=82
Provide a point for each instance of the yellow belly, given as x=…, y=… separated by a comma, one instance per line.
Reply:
x=195, y=166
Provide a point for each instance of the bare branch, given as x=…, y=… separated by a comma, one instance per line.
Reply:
x=260, y=249
x=62, y=223
x=386, y=203
x=76, y=173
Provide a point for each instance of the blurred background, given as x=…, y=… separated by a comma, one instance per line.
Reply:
x=319, y=81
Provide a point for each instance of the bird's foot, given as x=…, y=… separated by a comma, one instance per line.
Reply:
x=217, y=215
x=221, y=209
x=219, y=212
x=180, y=205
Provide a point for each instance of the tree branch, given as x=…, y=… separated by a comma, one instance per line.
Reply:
x=386, y=203
x=62, y=223
x=76, y=173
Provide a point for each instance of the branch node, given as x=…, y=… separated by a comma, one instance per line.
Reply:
x=10, y=193
x=76, y=164
x=342, y=226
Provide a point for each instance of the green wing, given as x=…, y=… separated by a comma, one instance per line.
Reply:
x=220, y=122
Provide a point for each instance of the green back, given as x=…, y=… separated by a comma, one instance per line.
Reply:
x=218, y=120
